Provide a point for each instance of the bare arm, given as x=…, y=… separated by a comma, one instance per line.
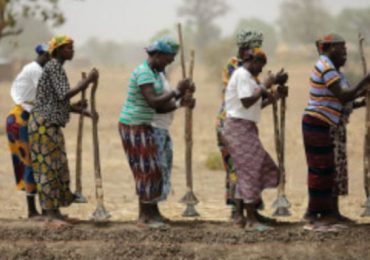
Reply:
x=350, y=94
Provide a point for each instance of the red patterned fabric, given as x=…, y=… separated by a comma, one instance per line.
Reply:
x=141, y=151
x=254, y=167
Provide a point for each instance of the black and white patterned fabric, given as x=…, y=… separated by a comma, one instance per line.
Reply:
x=51, y=102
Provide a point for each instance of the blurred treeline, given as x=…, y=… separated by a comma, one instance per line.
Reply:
x=289, y=38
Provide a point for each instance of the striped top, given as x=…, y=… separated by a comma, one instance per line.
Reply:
x=135, y=110
x=322, y=103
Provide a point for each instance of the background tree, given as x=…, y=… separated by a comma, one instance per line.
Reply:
x=351, y=21
x=11, y=11
x=302, y=21
x=201, y=15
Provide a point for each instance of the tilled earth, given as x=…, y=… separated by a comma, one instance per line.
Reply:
x=21, y=239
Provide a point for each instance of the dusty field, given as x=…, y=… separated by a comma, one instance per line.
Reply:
x=211, y=236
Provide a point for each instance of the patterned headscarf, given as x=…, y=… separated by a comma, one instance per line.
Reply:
x=166, y=45
x=331, y=38
x=58, y=41
x=249, y=39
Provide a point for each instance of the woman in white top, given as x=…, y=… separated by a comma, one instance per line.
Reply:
x=23, y=92
x=254, y=167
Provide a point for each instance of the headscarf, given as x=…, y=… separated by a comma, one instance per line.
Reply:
x=331, y=38
x=246, y=38
x=58, y=41
x=166, y=45
x=41, y=48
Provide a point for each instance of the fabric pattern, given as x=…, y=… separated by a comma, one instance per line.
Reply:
x=339, y=136
x=165, y=155
x=141, y=151
x=49, y=163
x=255, y=168
x=17, y=133
x=228, y=163
x=58, y=41
x=136, y=110
x=249, y=39
x=322, y=103
x=319, y=148
x=51, y=102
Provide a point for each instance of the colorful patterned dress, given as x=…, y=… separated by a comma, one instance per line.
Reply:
x=231, y=178
x=137, y=135
x=321, y=117
x=23, y=92
x=49, y=159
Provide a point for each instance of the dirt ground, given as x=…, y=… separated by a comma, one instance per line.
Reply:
x=210, y=236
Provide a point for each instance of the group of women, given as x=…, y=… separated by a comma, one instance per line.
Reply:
x=42, y=96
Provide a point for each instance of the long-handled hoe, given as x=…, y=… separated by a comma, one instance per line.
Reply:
x=281, y=203
x=189, y=199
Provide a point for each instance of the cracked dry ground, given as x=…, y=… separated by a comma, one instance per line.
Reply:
x=184, y=240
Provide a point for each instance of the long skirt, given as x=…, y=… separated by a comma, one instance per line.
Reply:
x=319, y=148
x=17, y=132
x=230, y=180
x=339, y=137
x=49, y=162
x=141, y=151
x=255, y=168
x=165, y=155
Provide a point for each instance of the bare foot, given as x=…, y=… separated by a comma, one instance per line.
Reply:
x=57, y=224
x=239, y=222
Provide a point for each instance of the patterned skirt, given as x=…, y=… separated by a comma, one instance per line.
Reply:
x=141, y=151
x=319, y=148
x=339, y=136
x=165, y=155
x=255, y=168
x=17, y=132
x=226, y=158
x=49, y=162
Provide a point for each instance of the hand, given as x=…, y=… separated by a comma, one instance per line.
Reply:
x=188, y=102
x=270, y=80
x=282, y=91
x=94, y=116
x=93, y=75
x=80, y=105
x=184, y=85
x=281, y=77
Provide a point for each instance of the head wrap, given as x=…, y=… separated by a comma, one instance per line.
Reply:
x=58, y=41
x=249, y=39
x=41, y=48
x=331, y=38
x=166, y=45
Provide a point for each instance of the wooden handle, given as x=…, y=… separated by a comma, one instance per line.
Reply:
x=182, y=55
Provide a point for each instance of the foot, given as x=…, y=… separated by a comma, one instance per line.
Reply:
x=57, y=224
x=343, y=219
x=264, y=219
x=239, y=222
x=255, y=226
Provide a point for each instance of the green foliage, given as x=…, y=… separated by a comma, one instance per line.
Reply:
x=22, y=46
x=12, y=11
x=302, y=21
x=214, y=162
x=352, y=21
x=270, y=41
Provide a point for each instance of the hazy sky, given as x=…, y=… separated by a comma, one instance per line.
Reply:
x=139, y=20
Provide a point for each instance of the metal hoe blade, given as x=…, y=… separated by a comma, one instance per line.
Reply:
x=282, y=206
x=79, y=198
x=190, y=200
x=367, y=208
x=100, y=214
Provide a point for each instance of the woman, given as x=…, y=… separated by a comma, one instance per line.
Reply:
x=322, y=126
x=50, y=114
x=246, y=40
x=23, y=92
x=255, y=169
x=146, y=97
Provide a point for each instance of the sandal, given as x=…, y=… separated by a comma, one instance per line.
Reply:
x=259, y=227
x=320, y=228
